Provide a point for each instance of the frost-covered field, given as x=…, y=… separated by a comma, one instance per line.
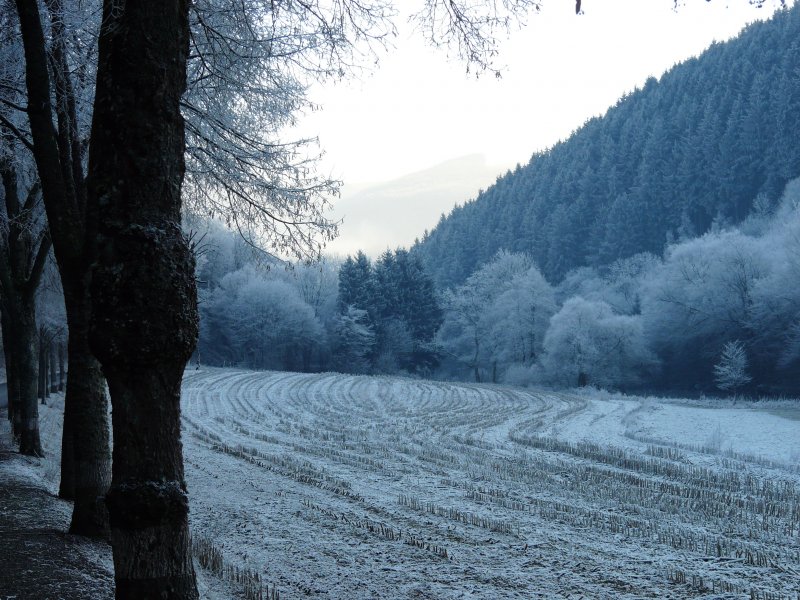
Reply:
x=359, y=487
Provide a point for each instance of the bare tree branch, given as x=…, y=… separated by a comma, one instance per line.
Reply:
x=23, y=139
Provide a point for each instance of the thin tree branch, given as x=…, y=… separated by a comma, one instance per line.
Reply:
x=33, y=196
x=39, y=262
x=16, y=132
x=14, y=105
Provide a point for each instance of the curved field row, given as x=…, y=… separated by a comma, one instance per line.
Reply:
x=380, y=487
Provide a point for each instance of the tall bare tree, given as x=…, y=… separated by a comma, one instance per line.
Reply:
x=58, y=142
x=24, y=245
x=144, y=325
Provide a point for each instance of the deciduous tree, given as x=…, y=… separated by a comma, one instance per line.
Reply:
x=24, y=246
x=59, y=151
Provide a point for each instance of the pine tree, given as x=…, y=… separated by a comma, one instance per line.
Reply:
x=356, y=284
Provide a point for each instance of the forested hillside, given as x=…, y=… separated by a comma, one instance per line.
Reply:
x=691, y=150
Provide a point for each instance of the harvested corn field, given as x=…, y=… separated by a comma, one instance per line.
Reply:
x=375, y=487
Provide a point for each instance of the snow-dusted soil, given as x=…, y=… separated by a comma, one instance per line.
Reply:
x=338, y=486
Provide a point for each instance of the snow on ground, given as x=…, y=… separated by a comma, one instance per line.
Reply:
x=767, y=430
x=374, y=487
x=602, y=421
x=96, y=556
x=745, y=429
x=38, y=559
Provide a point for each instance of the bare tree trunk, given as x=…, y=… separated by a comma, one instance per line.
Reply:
x=27, y=363
x=62, y=374
x=12, y=378
x=86, y=457
x=12, y=384
x=52, y=359
x=42, y=387
x=144, y=299
x=147, y=502
x=23, y=254
x=66, y=486
x=45, y=349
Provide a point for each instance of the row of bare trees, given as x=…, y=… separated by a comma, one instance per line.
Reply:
x=102, y=111
x=52, y=363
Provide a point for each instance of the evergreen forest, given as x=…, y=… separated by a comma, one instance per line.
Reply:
x=667, y=163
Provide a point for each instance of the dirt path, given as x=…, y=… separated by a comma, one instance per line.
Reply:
x=40, y=560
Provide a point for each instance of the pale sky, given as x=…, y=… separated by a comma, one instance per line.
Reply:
x=418, y=108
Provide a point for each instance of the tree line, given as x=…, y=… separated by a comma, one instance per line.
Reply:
x=678, y=322
x=661, y=323
x=355, y=315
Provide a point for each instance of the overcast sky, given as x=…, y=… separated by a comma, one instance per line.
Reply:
x=418, y=108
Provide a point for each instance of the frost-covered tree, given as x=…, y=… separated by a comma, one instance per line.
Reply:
x=497, y=317
x=217, y=249
x=519, y=317
x=730, y=373
x=791, y=352
x=50, y=62
x=775, y=345
x=272, y=326
x=618, y=284
x=278, y=318
x=587, y=343
x=728, y=285
x=407, y=310
x=463, y=331
x=354, y=341
x=317, y=284
x=623, y=279
x=357, y=284
x=400, y=305
x=705, y=291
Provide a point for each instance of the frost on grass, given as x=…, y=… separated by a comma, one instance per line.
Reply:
x=39, y=559
x=376, y=487
x=359, y=487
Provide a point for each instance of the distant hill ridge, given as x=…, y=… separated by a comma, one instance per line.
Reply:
x=665, y=163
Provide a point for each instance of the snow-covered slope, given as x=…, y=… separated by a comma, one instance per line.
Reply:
x=363, y=487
